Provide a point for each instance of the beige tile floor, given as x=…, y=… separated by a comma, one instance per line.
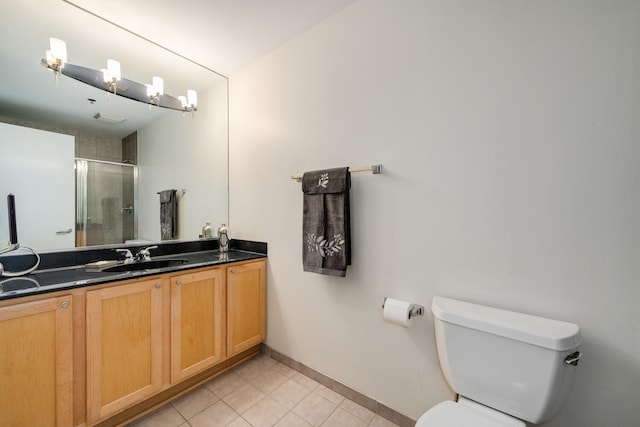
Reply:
x=262, y=393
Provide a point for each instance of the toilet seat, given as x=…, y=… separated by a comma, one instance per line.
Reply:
x=466, y=413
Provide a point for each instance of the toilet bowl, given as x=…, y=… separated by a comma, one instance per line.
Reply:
x=506, y=367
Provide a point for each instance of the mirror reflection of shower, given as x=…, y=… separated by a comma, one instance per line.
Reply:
x=106, y=202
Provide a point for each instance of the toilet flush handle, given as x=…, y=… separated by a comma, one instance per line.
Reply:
x=573, y=358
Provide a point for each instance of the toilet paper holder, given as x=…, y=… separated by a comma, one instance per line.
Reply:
x=414, y=309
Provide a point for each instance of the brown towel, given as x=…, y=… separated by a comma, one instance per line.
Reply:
x=326, y=223
x=168, y=214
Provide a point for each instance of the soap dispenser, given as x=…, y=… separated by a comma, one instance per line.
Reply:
x=223, y=238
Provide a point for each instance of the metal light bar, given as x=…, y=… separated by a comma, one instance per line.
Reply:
x=125, y=87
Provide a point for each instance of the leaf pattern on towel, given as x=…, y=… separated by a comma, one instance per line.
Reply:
x=323, y=246
x=165, y=231
x=324, y=180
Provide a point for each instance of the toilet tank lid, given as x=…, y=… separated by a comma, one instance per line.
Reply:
x=543, y=332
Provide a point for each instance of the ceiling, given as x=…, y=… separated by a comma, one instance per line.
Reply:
x=214, y=37
x=224, y=35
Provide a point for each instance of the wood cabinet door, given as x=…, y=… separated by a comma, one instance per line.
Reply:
x=36, y=363
x=124, y=346
x=246, y=320
x=196, y=322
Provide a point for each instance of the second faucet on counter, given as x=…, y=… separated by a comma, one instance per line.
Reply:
x=142, y=255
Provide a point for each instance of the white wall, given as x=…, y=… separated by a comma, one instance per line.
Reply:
x=37, y=167
x=190, y=153
x=508, y=131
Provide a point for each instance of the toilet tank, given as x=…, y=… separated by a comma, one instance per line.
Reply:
x=509, y=361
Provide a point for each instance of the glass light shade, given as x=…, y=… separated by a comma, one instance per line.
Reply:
x=114, y=69
x=158, y=85
x=56, y=57
x=58, y=49
x=192, y=98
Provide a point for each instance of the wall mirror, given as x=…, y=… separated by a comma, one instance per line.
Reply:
x=173, y=150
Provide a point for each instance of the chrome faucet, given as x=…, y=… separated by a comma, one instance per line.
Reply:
x=143, y=254
x=128, y=256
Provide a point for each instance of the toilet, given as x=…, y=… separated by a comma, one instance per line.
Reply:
x=507, y=368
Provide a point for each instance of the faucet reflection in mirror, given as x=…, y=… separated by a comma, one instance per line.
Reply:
x=111, y=80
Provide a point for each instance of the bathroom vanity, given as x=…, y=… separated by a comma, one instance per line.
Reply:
x=107, y=349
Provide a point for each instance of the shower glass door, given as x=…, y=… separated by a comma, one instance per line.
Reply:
x=106, y=195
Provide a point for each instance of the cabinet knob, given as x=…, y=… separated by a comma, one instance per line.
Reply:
x=178, y=282
x=233, y=271
x=158, y=285
x=64, y=304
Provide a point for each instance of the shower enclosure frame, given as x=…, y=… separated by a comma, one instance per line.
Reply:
x=81, y=169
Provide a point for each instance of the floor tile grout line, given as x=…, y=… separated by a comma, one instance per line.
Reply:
x=172, y=403
x=314, y=390
x=329, y=416
x=338, y=387
x=269, y=364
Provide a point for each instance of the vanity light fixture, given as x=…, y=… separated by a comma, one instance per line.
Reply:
x=56, y=56
x=155, y=90
x=112, y=75
x=189, y=102
x=111, y=80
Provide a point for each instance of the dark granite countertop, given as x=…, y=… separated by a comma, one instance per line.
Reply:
x=65, y=277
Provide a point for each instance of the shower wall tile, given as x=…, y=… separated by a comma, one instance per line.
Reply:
x=130, y=148
x=89, y=146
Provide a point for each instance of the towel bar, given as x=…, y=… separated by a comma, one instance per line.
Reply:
x=183, y=191
x=375, y=169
